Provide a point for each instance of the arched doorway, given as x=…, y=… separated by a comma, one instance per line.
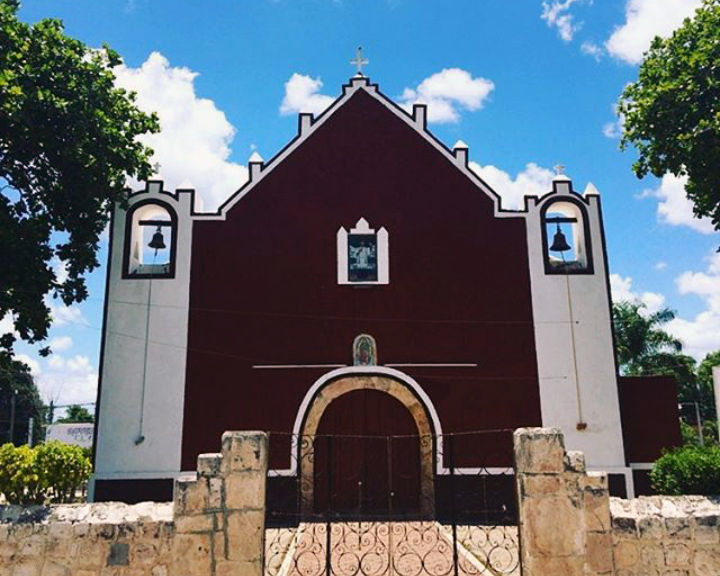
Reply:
x=367, y=448
x=367, y=456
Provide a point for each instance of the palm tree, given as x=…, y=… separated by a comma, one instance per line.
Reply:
x=644, y=348
x=641, y=343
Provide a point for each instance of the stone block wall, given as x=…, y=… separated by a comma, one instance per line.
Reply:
x=564, y=511
x=86, y=540
x=666, y=536
x=220, y=511
x=214, y=527
x=569, y=525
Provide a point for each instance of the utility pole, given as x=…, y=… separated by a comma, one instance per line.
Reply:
x=13, y=398
x=716, y=386
x=31, y=423
x=699, y=424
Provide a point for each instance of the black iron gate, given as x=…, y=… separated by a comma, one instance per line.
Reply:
x=392, y=505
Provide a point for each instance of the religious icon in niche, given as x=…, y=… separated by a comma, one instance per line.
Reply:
x=364, y=351
x=362, y=258
x=363, y=255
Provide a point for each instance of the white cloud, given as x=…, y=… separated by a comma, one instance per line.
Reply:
x=7, y=325
x=592, y=49
x=302, y=94
x=645, y=19
x=447, y=93
x=62, y=314
x=68, y=380
x=612, y=130
x=60, y=270
x=699, y=335
x=674, y=207
x=622, y=290
x=660, y=266
x=702, y=334
x=533, y=181
x=61, y=343
x=193, y=146
x=31, y=362
x=557, y=14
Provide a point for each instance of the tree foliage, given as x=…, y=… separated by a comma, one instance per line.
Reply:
x=50, y=472
x=644, y=348
x=642, y=345
x=672, y=113
x=688, y=470
x=705, y=383
x=76, y=413
x=68, y=141
x=16, y=380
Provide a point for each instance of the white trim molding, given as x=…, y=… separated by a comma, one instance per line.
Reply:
x=308, y=126
x=358, y=371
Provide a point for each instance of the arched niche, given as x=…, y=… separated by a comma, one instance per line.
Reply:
x=566, y=219
x=150, y=240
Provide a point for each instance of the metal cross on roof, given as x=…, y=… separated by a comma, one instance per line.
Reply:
x=559, y=169
x=359, y=61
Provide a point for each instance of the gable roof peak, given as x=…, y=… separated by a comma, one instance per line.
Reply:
x=416, y=118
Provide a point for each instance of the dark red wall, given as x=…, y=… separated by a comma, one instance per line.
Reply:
x=649, y=412
x=264, y=287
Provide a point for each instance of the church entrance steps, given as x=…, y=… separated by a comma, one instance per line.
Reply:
x=398, y=548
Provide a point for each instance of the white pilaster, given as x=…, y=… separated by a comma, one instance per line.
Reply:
x=141, y=403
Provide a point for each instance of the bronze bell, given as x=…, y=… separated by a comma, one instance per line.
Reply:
x=157, y=242
x=559, y=242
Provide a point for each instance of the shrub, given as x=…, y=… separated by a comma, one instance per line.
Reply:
x=63, y=469
x=51, y=472
x=688, y=470
x=19, y=480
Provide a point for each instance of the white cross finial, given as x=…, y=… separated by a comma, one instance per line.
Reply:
x=359, y=61
x=559, y=169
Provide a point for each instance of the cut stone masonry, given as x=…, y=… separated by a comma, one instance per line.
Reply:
x=568, y=524
x=564, y=511
x=214, y=527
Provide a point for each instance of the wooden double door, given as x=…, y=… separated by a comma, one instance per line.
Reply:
x=367, y=457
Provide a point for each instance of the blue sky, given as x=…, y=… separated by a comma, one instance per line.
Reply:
x=526, y=84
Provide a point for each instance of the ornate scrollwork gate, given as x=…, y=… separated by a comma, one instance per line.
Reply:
x=360, y=506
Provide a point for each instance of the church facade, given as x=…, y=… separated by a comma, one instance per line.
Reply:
x=363, y=282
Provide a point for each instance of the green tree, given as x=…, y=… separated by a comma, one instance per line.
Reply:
x=16, y=380
x=672, y=113
x=705, y=385
x=76, y=413
x=644, y=348
x=68, y=142
x=642, y=344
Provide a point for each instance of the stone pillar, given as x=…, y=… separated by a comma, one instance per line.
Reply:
x=564, y=512
x=220, y=511
x=244, y=469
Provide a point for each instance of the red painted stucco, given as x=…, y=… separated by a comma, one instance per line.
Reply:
x=649, y=410
x=264, y=288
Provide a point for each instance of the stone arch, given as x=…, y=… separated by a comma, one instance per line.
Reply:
x=333, y=389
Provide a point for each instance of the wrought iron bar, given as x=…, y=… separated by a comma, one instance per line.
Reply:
x=453, y=515
x=328, y=507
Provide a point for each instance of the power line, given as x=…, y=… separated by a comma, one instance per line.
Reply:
x=411, y=320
